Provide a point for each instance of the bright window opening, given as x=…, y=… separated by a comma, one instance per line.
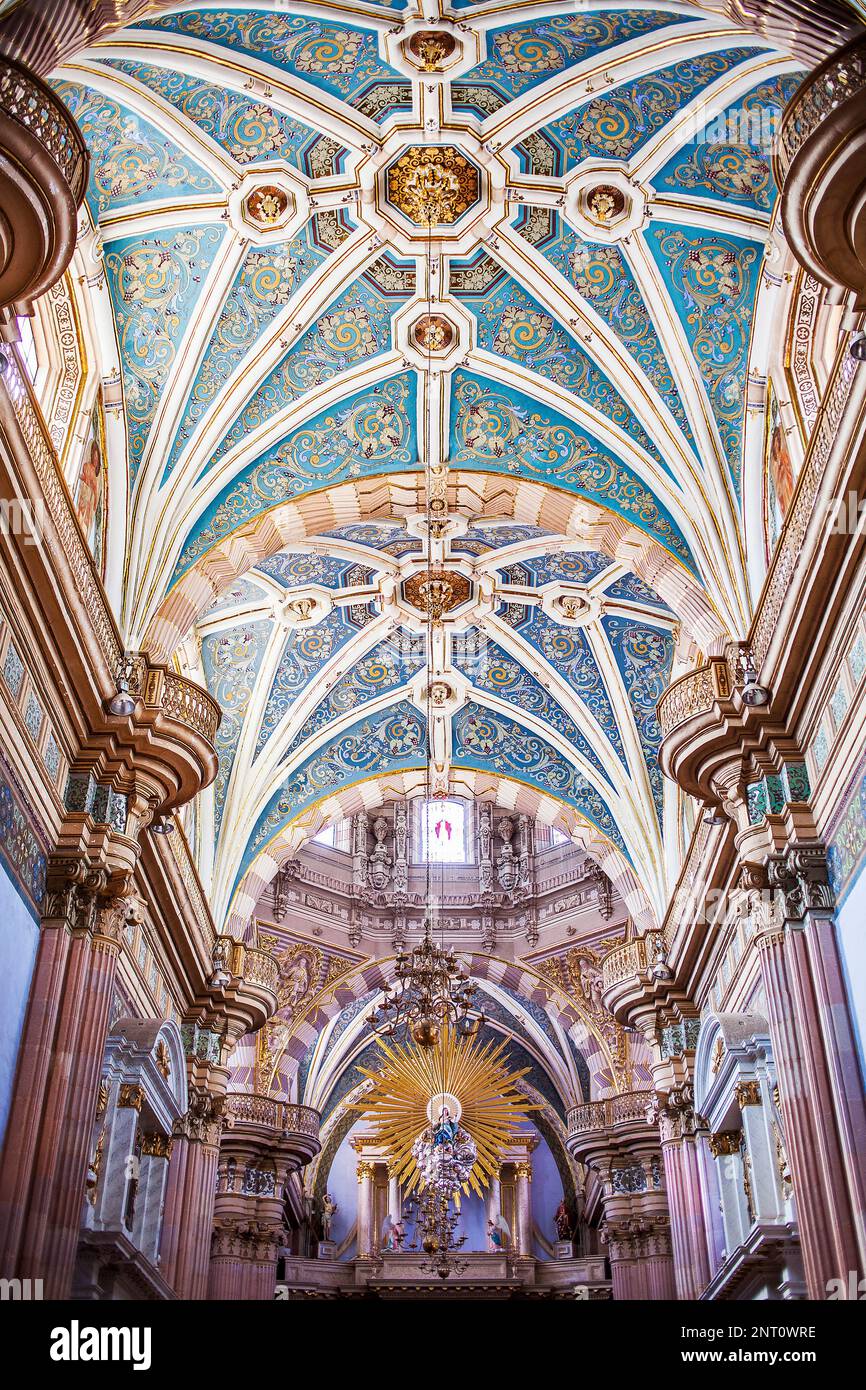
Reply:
x=27, y=347
x=327, y=836
x=443, y=832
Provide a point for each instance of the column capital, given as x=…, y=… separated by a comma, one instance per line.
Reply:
x=677, y=1118
x=799, y=875
x=636, y=1237
x=241, y=1239
x=203, y=1120
x=725, y=1141
x=748, y=1093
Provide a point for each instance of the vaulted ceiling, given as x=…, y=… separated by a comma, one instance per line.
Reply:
x=567, y=351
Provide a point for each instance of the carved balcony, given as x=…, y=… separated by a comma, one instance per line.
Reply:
x=248, y=997
x=263, y=1124
x=695, y=714
x=821, y=168
x=43, y=175
x=169, y=742
x=600, y=1130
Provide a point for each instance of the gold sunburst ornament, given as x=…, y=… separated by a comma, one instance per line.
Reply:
x=420, y=1092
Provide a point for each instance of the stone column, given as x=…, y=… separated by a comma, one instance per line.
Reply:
x=190, y=1195
x=243, y=1260
x=492, y=1203
x=822, y=1108
x=42, y=1180
x=395, y=1204
x=682, y=1164
x=365, y=1208
x=153, y=1177
x=641, y=1263
x=523, y=1207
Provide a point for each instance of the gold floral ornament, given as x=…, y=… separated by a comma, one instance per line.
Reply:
x=436, y=592
x=433, y=333
x=604, y=203
x=471, y=1080
x=432, y=185
x=267, y=205
x=431, y=51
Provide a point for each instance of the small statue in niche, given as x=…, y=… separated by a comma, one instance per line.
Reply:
x=94, y=1167
x=506, y=864
x=220, y=958
x=379, y=867
x=498, y=1233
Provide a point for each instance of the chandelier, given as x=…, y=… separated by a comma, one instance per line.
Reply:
x=436, y=1233
x=432, y=991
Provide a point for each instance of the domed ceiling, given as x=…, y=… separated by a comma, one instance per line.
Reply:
x=565, y=350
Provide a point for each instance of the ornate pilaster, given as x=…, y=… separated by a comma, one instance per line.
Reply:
x=189, y=1200
x=678, y=1130
x=42, y=1177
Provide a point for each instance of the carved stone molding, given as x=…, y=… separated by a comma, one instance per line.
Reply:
x=637, y=1237
x=240, y=1239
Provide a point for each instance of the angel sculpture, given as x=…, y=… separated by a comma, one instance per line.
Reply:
x=393, y=1234
x=498, y=1233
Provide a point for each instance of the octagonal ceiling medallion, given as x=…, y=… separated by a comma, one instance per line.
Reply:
x=433, y=333
x=267, y=206
x=431, y=51
x=432, y=185
x=436, y=592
